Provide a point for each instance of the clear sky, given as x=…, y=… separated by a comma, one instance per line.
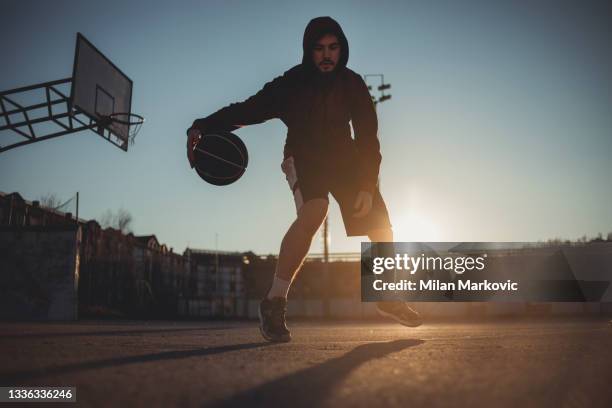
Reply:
x=499, y=128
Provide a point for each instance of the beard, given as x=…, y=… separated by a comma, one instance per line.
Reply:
x=326, y=67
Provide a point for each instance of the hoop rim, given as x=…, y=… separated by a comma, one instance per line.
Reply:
x=133, y=118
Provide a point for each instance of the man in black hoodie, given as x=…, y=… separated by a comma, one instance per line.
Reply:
x=316, y=100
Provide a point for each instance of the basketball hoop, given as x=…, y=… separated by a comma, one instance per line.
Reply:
x=131, y=120
x=100, y=100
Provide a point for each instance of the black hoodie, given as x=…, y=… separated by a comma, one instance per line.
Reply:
x=317, y=108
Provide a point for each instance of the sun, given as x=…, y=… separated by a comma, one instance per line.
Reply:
x=415, y=227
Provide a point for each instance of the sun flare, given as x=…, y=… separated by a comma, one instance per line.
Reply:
x=415, y=227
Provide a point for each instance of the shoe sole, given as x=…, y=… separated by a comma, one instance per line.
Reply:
x=265, y=335
x=407, y=323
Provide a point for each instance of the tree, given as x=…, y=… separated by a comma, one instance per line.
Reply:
x=121, y=220
x=50, y=200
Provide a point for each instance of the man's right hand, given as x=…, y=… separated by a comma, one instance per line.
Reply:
x=193, y=137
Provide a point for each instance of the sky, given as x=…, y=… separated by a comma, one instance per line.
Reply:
x=499, y=127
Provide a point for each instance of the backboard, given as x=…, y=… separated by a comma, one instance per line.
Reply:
x=100, y=89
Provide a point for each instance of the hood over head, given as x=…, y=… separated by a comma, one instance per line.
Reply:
x=317, y=28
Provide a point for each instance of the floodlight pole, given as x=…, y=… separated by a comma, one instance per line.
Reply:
x=326, y=291
x=382, y=98
x=217, y=262
x=381, y=88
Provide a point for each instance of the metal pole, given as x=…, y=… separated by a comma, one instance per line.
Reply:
x=77, y=207
x=217, y=262
x=378, y=100
x=326, y=290
x=36, y=86
x=325, y=241
x=10, y=217
x=376, y=112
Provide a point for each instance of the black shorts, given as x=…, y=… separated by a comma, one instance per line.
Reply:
x=309, y=179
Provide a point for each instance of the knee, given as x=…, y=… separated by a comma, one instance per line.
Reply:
x=311, y=215
x=381, y=235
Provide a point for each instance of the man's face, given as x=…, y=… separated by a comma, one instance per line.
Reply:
x=326, y=53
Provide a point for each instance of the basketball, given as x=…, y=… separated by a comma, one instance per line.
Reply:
x=220, y=158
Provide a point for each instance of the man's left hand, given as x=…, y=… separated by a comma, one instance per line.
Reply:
x=363, y=204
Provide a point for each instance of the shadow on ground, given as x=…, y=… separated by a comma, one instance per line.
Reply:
x=110, y=332
x=311, y=386
x=21, y=376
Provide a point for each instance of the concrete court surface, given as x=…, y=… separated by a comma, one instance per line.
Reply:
x=561, y=363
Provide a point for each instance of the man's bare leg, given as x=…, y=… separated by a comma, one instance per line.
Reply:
x=293, y=250
x=398, y=311
x=296, y=243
